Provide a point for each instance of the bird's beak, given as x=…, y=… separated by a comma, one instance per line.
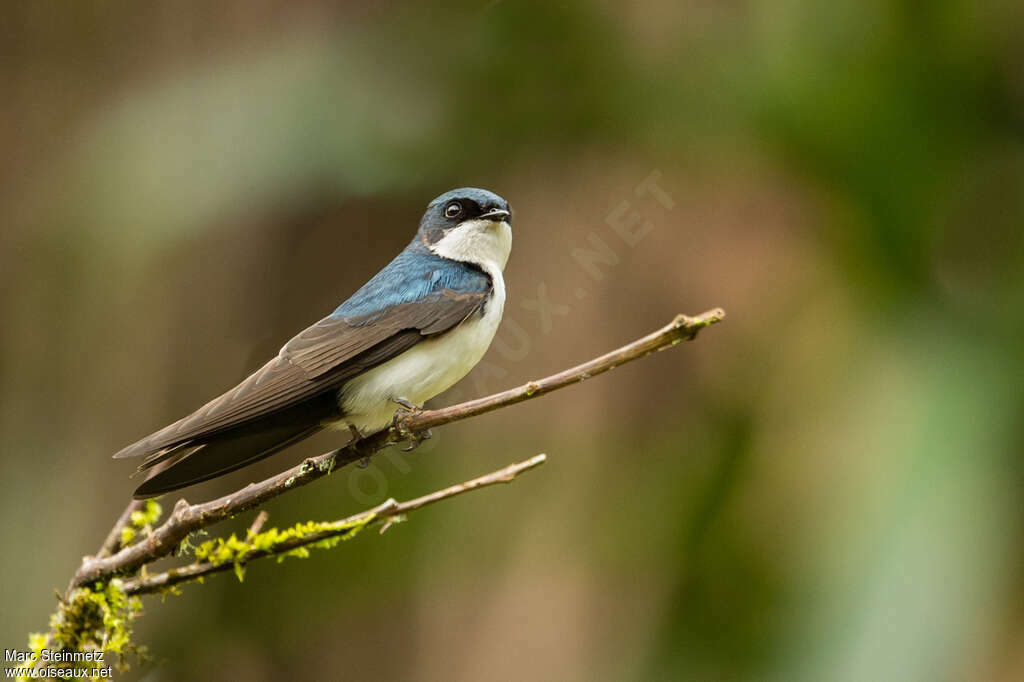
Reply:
x=496, y=214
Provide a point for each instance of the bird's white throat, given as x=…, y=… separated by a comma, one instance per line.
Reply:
x=486, y=243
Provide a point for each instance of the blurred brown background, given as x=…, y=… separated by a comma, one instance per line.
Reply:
x=824, y=487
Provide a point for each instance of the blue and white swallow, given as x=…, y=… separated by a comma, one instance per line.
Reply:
x=412, y=331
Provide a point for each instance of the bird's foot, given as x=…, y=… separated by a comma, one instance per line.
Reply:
x=356, y=436
x=406, y=408
x=417, y=437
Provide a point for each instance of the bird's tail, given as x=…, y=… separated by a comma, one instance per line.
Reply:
x=220, y=455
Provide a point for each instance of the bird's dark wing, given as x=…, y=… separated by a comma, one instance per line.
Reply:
x=322, y=347
x=319, y=359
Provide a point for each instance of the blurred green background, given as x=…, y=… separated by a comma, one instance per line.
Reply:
x=825, y=487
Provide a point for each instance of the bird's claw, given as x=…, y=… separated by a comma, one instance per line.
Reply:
x=356, y=436
x=402, y=402
x=417, y=437
x=414, y=437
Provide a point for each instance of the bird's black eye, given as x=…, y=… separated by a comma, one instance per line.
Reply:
x=453, y=210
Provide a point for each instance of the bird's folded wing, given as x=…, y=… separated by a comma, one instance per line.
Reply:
x=319, y=359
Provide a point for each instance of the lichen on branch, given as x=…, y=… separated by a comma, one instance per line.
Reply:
x=280, y=543
x=141, y=521
x=89, y=620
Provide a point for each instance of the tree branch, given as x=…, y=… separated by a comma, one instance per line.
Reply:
x=680, y=329
x=383, y=514
x=187, y=518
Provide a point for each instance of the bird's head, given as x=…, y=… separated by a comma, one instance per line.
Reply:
x=470, y=225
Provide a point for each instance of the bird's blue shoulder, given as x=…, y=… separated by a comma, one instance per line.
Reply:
x=415, y=274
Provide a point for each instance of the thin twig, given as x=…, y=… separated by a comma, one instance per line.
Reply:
x=187, y=518
x=257, y=523
x=383, y=514
x=113, y=541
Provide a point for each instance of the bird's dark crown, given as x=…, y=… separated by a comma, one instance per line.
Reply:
x=457, y=206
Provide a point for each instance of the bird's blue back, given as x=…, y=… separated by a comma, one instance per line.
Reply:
x=415, y=274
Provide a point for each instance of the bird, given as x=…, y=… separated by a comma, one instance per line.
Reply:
x=412, y=331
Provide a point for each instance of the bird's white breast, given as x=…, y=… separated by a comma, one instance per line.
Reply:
x=434, y=365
